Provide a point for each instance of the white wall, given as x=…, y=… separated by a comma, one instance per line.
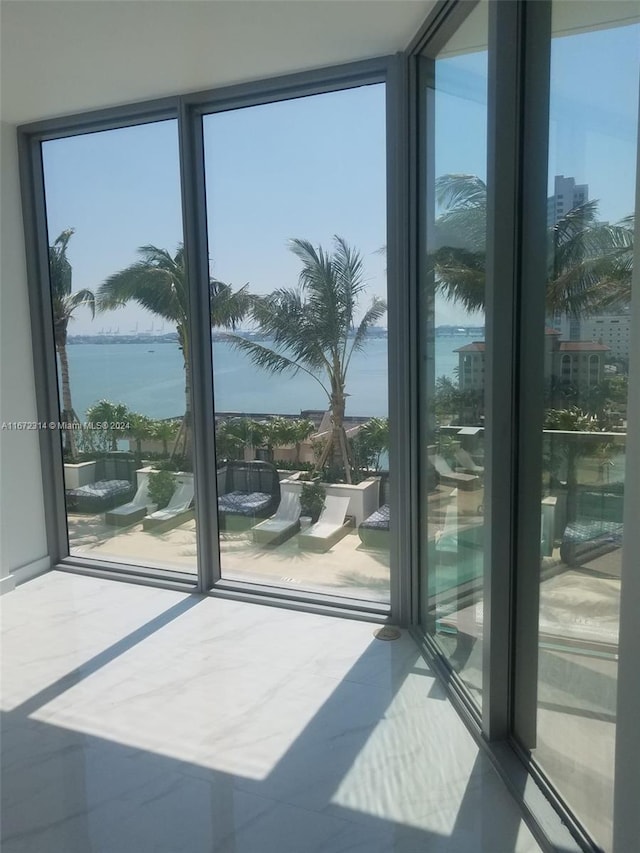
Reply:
x=22, y=535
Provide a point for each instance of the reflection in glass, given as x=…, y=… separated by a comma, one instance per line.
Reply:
x=296, y=208
x=118, y=298
x=592, y=158
x=453, y=346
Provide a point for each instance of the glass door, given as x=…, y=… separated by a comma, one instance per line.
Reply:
x=452, y=345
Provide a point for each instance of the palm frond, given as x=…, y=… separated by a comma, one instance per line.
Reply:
x=270, y=360
x=83, y=297
x=461, y=192
x=376, y=310
x=461, y=276
x=295, y=327
x=228, y=307
x=59, y=267
x=152, y=288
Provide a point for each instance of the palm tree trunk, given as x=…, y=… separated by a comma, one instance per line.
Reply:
x=338, y=435
x=68, y=415
x=183, y=443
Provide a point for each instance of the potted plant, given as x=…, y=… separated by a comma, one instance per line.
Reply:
x=162, y=485
x=312, y=500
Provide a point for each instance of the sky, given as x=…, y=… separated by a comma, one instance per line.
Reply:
x=315, y=166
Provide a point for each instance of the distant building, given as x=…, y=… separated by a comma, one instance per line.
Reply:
x=567, y=195
x=471, y=366
x=577, y=363
x=614, y=330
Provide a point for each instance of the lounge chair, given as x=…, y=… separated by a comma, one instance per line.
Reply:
x=176, y=511
x=598, y=527
x=374, y=530
x=247, y=491
x=465, y=463
x=281, y=526
x=467, y=482
x=133, y=511
x=329, y=528
x=113, y=485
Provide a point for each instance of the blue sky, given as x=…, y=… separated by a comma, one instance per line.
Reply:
x=315, y=166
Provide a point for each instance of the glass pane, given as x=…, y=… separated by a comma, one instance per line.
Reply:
x=595, y=63
x=452, y=288
x=117, y=286
x=300, y=341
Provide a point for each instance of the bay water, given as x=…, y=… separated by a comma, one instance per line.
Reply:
x=148, y=377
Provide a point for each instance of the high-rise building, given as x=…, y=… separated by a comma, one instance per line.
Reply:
x=567, y=195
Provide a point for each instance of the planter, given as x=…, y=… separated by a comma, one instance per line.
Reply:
x=77, y=474
x=142, y=474
x=363, y=498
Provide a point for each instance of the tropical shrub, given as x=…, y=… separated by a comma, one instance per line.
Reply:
x=312, y=499
x=371, y=441
x=162, y=485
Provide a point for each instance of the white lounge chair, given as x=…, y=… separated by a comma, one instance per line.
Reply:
x=466, y=464
x=282, y=525
x=329, y=528
x=133, y=511
x=467, y=482
x=176, y=511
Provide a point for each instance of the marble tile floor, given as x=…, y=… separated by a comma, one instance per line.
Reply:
x=140, y=720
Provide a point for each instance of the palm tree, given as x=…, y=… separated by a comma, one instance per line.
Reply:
x=300, y=430
x=371, y=441
x=236, y=434
x=164, y=431
x=140, y=427
x=103, y=416
x=158, y=283
x=64, y=303
x=589, y=265
x=280, y=432
x=314, y=330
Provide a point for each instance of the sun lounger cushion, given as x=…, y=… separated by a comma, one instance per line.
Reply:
x=241, y=503
x=247, y=490
x=374, y=530
x=104, y=494
x=378, y=520
x=588, y=539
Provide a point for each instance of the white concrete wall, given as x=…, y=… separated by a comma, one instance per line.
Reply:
x=22, y=533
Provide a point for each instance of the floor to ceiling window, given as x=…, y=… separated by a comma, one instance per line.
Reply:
x=453, y=95
x=296, y=210
x=296, y=197
x=119, y=310
x=587, y=335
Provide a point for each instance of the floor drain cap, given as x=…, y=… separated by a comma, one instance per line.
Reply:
x=387, y=633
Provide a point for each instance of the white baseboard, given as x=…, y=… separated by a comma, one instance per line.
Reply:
x=7, y=584
x=26, y=573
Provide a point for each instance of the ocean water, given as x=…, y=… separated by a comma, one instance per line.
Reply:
x=149, y=378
